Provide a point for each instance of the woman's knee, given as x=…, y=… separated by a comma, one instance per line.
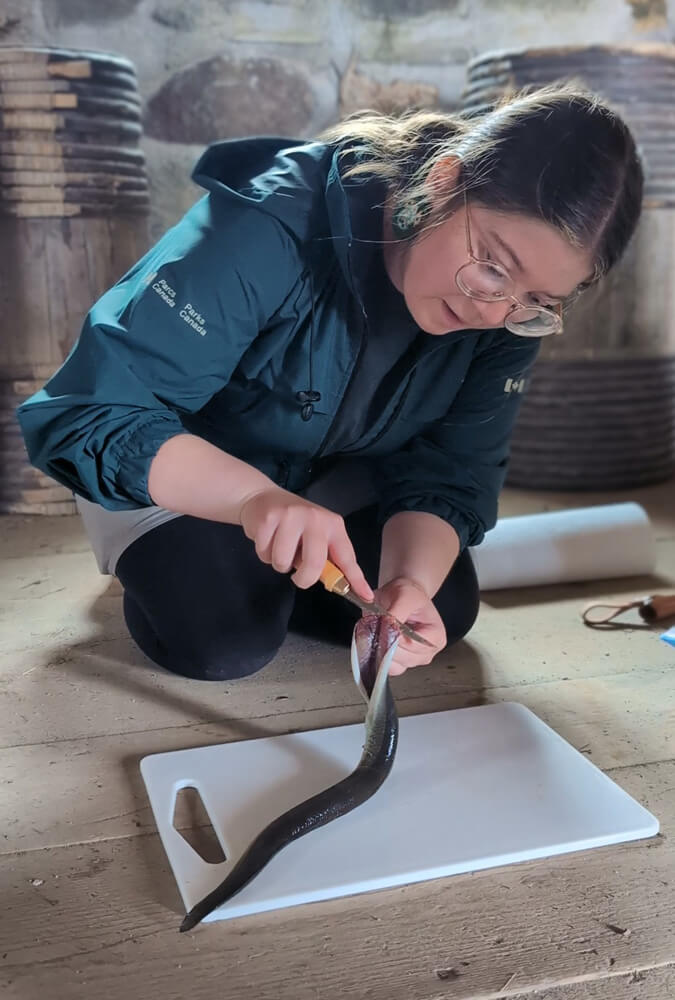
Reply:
x=226, y=659
x=221, y=652
x=458, y=600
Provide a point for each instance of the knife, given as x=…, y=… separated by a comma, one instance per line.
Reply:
x=335, y=582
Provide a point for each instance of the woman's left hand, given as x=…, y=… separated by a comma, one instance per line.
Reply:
x=406, y=600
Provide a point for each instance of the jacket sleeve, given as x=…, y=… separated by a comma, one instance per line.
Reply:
x=162, y=341
x=457, y=466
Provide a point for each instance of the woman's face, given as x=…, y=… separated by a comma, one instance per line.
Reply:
x=544, y=267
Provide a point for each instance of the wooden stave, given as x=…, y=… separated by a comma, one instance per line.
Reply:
x=42, y=494
x=55, y=53
x=584, y=371
x=647, y=365
x=624, y=86
x=13, y=387
x=575, y=424
x=593, y=460
x=65, y=121
x=26, y=489
x=654, y=438
x=26, y=475
x=624, y=83
x=575, y=55
x=518, y=78
x=561, y=398
x=650, y=449
x=20, y=163
x=42, y=509
x=71, y=103
x=62, y=179
x=538, y=60
x=71, y=210
x=72, y=194
x=80, y=70
x=49, y=139
x=53, y=139
x=79, y=87
x=584, y=479
x=50, y=147
x=603, y=456
x=29, y=358
x=577, y=428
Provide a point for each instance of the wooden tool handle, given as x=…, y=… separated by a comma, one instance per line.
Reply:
x=334, y=579
x=653, y=609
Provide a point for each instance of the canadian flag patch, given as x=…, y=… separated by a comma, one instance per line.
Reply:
x=515, y=385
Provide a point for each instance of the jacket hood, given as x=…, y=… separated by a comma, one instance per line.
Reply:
x=299, y=183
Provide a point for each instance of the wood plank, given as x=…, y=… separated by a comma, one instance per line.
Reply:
x=68, y=657
x=36, y=538
x=11, y=492
x=61, y=179
x=86, y=195
x=90, y=789
x=39, y=164
x=91, y=933
x=82, y=920
x=58, y=507
x=89, y=680
x=43, y=147
x=64, y=86
x=51, y=54
x=643, y=984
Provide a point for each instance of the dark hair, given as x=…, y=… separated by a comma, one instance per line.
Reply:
x=557, y=153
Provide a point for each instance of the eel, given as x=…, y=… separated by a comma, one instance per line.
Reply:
x=374, y=643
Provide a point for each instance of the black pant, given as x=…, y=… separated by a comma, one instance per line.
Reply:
x=199, y=602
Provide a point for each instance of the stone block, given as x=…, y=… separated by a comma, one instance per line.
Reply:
x=223, y=97
x=62, y=12
x=359, y=91
x=403, y=8
x=180, y=17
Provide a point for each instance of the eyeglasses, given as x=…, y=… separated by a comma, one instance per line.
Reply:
x=488, y=281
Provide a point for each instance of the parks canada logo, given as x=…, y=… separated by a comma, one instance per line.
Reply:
x=187, y=313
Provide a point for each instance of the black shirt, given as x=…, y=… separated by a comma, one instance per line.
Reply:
x=389, y=339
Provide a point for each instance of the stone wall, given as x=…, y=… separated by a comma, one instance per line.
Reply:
x=211, y=69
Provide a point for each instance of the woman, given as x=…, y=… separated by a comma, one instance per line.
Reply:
x=335, y=323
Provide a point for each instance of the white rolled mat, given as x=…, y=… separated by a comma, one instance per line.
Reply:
x=589, y=543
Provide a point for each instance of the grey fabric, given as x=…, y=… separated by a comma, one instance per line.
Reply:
x=344, y=488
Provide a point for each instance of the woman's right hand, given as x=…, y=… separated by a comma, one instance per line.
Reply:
x=292, y=533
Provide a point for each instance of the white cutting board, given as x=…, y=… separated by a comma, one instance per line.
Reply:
x=471, y=788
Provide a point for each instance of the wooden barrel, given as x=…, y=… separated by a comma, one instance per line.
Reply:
x=600, y=410
x=596, y=424
x=74, y=204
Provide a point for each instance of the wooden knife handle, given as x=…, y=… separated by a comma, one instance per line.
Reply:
x=653, y=609
x=334, y=579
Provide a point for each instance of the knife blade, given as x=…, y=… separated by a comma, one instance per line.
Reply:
x=336, y=582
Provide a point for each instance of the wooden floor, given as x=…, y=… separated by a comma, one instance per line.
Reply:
x=88, y=906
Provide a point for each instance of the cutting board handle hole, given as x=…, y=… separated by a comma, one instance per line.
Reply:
x=192, y=822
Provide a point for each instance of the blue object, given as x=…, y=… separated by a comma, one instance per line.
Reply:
x=669, y=636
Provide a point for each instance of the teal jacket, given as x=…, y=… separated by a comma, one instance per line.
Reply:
x=243, y=325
